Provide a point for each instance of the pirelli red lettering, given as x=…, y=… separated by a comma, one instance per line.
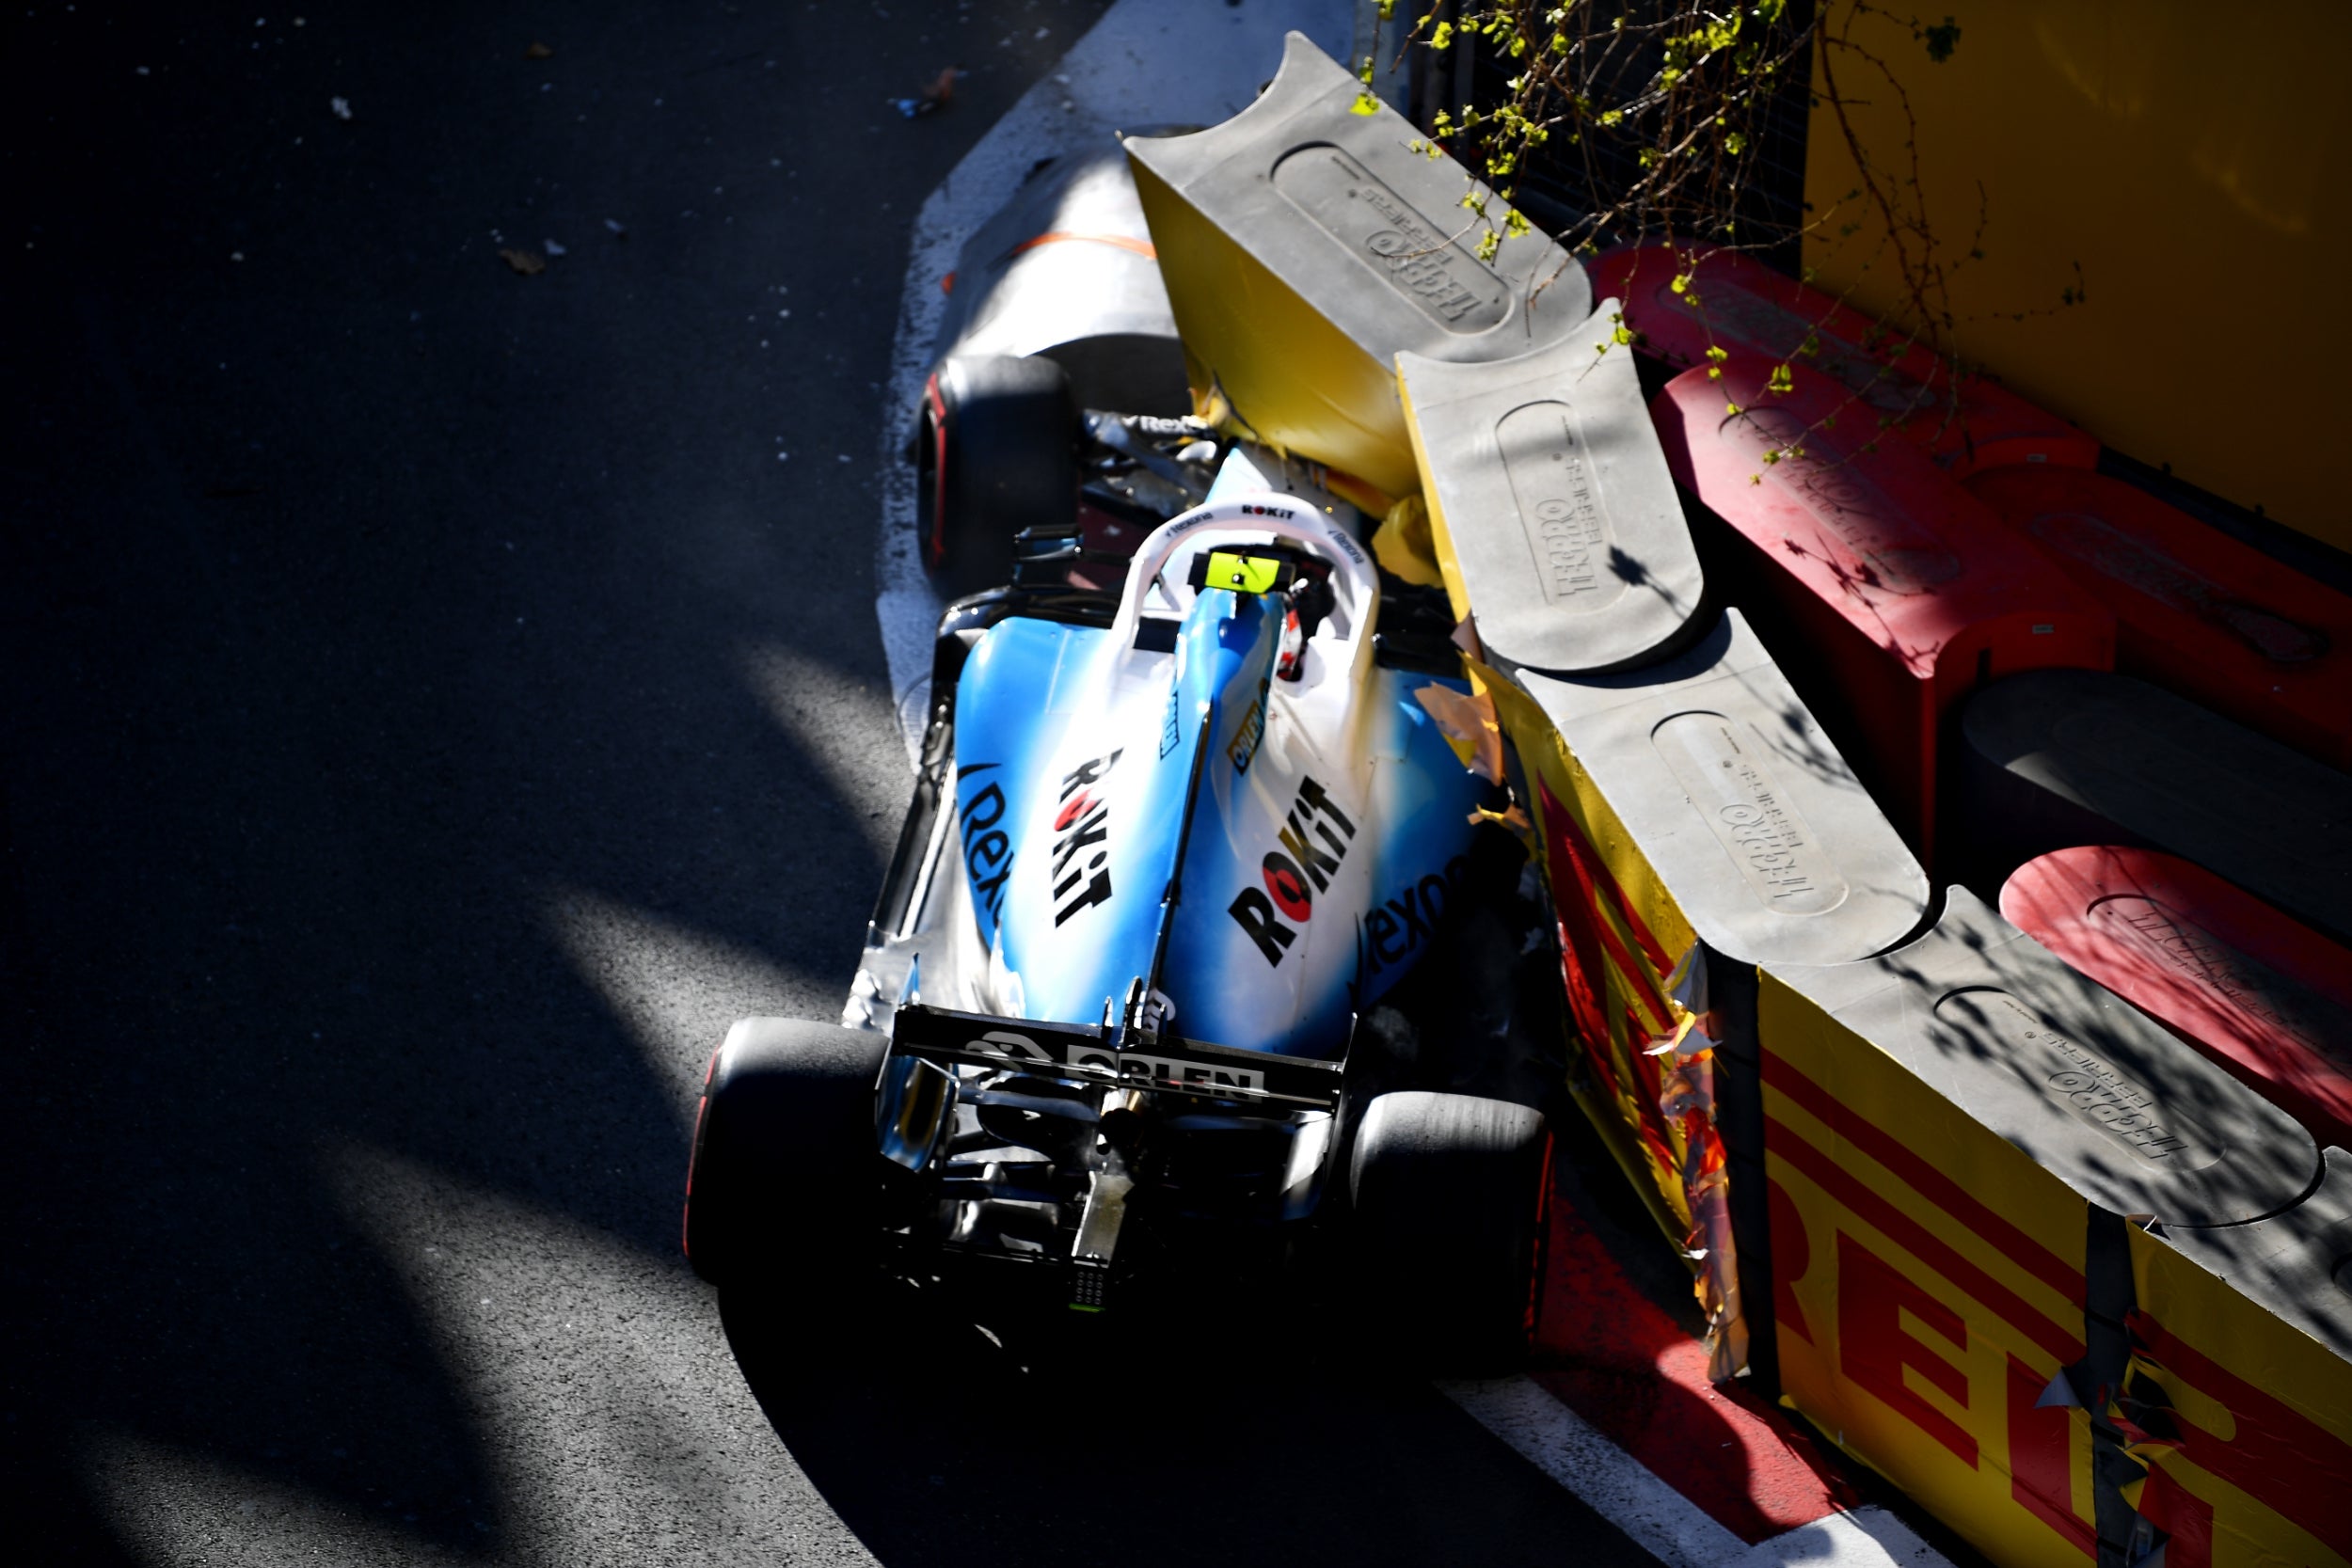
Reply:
x=2040, y=1458
x=1875, y=1349
x=2185, y=1517
x=1919, y=1323
x=1793, y=1256
x=2273, y=1452
x=1603, y=898
x=1924, y=1178
x=2053, y=1337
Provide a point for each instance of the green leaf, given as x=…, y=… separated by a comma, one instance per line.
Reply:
x=1365, y=104
x=1780, y=380
x=1941, y=40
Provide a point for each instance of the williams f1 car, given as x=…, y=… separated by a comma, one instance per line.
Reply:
x=1127, y=1015
x=1202, y=962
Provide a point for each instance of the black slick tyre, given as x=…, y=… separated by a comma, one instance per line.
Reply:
x=996, y=451
x=784, y=1185
x=1449, y=1195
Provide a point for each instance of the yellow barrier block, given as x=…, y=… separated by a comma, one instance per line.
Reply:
x=1304, y=244
x=2240, y=1389
x=1967, y=1144
x=1692, y=821
x=1928, y=1286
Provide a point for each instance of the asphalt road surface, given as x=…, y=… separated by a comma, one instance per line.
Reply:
x=439, y=698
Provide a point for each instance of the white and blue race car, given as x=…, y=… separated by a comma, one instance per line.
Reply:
x=1201, y=955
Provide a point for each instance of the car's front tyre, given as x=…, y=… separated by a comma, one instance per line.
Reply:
x=996, y=451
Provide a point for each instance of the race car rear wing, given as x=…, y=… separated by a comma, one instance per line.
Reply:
x=1083, y=1055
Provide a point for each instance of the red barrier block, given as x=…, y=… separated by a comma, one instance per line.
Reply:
x=1757, y=312
x=2266, y=997
x=2195, y=610
x=1885, y=588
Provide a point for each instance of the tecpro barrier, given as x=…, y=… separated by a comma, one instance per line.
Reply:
x=1742, y=306
x=1693, y=821
x=2196, y=611
x=1304, y=244
x=1886, y=589
x=1571, y=551
x=1987, y=1176
x=2266, y=997
x=2065, y=757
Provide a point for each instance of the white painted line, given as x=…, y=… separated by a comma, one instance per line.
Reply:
x=1557, y=1441
x=1146, y=62
x=1656, y=1517
x=1866, y=1538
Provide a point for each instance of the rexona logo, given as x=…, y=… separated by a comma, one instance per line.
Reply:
x=1082, y=823
x=1141, y=1068
x=987, y=851
x=1292, y=874
x=1394, y=930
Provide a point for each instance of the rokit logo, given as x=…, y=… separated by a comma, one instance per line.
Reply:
x=1082, y=823
x=1294, y=874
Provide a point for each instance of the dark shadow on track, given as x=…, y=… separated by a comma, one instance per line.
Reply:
x=1165, y=1444
x=360, y=598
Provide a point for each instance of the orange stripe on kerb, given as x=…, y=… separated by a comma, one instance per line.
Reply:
x=2055, y=1339
x=1140, y=248
x=1931, y=1183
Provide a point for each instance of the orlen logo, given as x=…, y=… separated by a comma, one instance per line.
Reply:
x=1005, y=1043
x=1294, y=874
x=1137, y=1067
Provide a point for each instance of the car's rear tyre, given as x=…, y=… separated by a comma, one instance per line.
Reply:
x=784, y=1186
x=1449, y=1195
x=996, y=451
